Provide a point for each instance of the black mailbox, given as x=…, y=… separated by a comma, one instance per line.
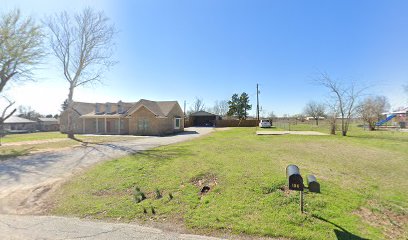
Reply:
x=294, y=178
x=312, y=183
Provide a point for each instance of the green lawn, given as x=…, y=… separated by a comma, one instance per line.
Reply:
x=362, y=177
x=48, y=141
x=32, y=136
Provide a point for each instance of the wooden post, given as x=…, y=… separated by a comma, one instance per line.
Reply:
x=301, y=202
x=97, y=125
x=83, y=125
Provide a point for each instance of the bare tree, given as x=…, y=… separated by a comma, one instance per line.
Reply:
x=83, y=44
x=21, y=49
x=221, y=108
x=371, y=109
x=28, y=113
x=315, y=110
x=271, y=114
x=198, y=105
x=343, y=100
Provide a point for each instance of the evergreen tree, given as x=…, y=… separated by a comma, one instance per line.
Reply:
x=239, y=106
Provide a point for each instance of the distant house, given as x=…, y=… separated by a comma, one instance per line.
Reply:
x=47, y=124
x=312, y=118
x=203, y=119
x=15, y=124
x=144, y=117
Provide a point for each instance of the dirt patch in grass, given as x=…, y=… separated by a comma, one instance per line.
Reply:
x=393, y=224
x=205, y=182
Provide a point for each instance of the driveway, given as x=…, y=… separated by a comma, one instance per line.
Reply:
x=25, y=183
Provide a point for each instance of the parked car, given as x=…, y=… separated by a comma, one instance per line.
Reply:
x=265, y=123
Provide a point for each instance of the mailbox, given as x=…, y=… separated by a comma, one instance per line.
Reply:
x=294, y=179
x=312, y=183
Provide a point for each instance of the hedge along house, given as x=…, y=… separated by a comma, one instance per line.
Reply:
x=144, y=117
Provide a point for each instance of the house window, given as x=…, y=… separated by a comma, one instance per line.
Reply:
x=120, y=109
x=143, y=125
x=96, y=108
x=107, y=108
x=177, y=123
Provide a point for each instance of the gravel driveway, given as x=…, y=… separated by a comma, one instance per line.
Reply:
x=25, y=183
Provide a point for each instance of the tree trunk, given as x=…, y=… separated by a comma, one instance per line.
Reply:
x=344, y=133
x=70, y=130
x=317, y=121
x=333, y=128
x=71, y=135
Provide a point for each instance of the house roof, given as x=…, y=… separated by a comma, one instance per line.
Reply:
x=47, y=119
x=201, y=114
x=82, y=107
x=401, y=111
x=158, y=108
x=91, y=112
x=15, y=119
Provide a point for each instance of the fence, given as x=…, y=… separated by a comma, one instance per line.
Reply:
x=236, y=123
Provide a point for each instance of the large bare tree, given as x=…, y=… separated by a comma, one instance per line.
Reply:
x=198, y=105
x=220, y=108
x=343, y=99
x=21, y=49
x=372, y=108
x=84, y=45
x=315, y=110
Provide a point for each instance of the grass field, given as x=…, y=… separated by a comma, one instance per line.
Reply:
x=25, y=144
x=362, y=177
x=32, y=136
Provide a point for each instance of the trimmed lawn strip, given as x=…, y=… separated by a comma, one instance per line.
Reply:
x=32, y=136
x=247, y=174
x=7, y=152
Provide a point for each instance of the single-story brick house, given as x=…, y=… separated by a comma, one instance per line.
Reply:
x=144, y=117
x=47, y=124
x=15, y=124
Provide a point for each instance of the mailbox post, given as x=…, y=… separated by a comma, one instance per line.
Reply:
x=295, y=182
x=312, y=184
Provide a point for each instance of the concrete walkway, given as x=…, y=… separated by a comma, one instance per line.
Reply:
x=25, y=183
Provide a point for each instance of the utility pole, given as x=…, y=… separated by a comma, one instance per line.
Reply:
x=184, y=108
x=257, y=102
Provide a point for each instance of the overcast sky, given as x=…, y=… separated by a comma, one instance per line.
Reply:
x=177, y=50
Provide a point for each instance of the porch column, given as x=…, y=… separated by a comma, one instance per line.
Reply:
x=97, y=126
x=105, y=125
x=83, y=125
x=119, y=126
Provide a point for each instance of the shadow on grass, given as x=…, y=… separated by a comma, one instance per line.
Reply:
x=15, y=153
x=341, y=233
